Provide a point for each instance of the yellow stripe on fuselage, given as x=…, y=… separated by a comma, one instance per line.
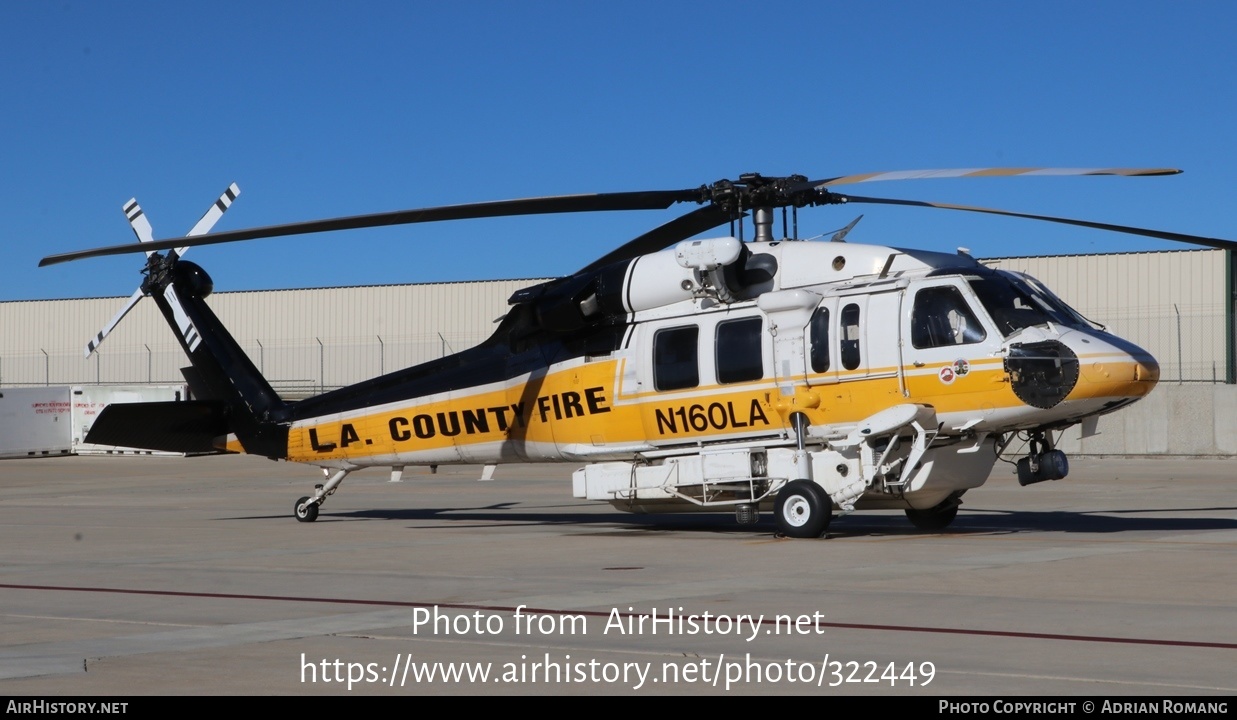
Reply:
x=580, y=404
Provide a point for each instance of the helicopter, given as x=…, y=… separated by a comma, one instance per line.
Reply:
x=718, y=374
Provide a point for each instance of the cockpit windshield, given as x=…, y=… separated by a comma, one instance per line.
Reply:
x=1016, y=301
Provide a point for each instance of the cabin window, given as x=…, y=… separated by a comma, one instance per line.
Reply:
x=850, y=337
x=737, y=350
x=942, y=318
x=819, y=332
x=675, y=364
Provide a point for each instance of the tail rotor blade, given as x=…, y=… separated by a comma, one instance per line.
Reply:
x=145, y=235
x=212, y=215
x=139, y=222
x=97, y=340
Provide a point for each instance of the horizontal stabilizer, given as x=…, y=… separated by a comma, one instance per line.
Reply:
x=183, y=427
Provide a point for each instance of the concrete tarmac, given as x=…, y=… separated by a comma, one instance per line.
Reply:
x=132, y=576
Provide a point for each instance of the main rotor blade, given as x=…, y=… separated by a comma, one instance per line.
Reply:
x=1159, y=234
x=663, y=236
x=988, y=172
x=750, y=193
x=652, y=200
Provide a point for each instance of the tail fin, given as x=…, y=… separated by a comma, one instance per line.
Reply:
x=255, y=412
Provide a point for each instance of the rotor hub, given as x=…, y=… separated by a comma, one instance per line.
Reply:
x=753, y=190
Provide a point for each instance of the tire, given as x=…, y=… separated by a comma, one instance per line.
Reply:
x=305, y=510
x=934, y=519
x=803, y=510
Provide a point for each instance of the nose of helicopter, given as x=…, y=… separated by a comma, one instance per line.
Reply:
x=1110, y=368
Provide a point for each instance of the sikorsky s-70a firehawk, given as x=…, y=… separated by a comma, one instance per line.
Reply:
x=688, y=374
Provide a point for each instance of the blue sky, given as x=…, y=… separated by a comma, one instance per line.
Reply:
x=320, y=109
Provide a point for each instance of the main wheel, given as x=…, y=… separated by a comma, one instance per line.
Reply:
x=803, y=510
x=934, y=519
x=305, y=510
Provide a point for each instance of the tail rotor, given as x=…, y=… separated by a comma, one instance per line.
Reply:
x=145, y=234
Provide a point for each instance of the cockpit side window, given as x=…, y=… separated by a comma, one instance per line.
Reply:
x=941, y=318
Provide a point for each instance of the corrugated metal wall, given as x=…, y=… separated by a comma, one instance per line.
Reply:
x=302, y=340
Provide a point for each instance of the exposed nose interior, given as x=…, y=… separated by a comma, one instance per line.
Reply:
x=1043, y=373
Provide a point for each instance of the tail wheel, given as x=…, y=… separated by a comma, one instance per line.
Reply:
x=305, y=510
x=803, y=510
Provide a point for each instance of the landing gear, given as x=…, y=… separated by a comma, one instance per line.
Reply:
x=306, y=509
x=803, y=510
